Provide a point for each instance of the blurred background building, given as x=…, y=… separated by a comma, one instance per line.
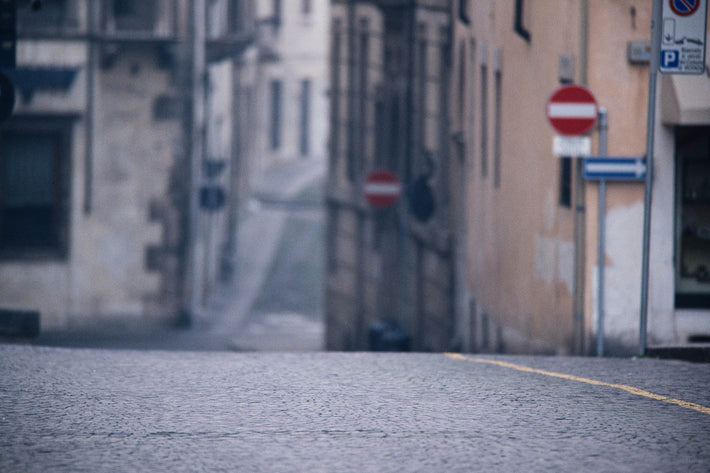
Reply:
x=118, y=164
x=456, y=92
x=283, y=84
x=390, y=68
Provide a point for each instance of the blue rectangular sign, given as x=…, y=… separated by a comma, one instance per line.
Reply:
x=615, y=168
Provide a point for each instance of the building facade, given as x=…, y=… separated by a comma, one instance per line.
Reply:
x=102, y=166
x=389, y=110
x=283, y=85
x=531, y=221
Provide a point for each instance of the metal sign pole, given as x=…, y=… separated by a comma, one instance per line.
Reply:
x=601, y=251
x=650, y=128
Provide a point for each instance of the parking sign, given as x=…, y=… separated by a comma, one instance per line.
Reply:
x=683, y=36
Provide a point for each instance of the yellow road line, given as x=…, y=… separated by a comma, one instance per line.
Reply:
x=630, y=389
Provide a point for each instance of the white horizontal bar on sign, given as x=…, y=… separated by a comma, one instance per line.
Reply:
x=572, y=110
x=383, y=189
x=637, y=168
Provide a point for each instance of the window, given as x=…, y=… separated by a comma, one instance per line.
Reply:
x=306, y=7
x=240, y=16
x=692, y=155
x=55, y=15
x=464, y=11
x=472, y=97
x=305, y=117
x=277, y=12
x=484, y=118
x=422, y=89
x=133, y=15
x=34, y=189
x=275, y=114
x=363, y=86
x=496, y=128
x=335, y=98
x=565, y=182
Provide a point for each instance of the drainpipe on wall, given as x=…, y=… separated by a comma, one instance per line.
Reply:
x=578, y=342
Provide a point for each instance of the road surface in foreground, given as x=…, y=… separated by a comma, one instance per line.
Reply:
x=70, y=410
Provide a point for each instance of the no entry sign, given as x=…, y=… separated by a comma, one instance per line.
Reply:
x=572, y=110
x=382, y=188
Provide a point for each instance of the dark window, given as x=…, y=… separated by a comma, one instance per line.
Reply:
x=277, y=12
x=305, y=116
x=335, y=97
x=566, y=182
x=33, y=190
x=484, y=120
x=275, y=114
x=464, y=11
x=54, y=15
x=306, y=6
x=692, y=155
x=133, y=15
x=239, y=16
x=363, y=86
x=496, y=128
x=421, y=105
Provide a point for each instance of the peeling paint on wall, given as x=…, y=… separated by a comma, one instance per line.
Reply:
x=622, y=272
x=554, y=261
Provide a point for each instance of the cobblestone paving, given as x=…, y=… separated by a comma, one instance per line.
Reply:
x=69, y=410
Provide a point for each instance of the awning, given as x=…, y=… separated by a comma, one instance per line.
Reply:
x=685, y=99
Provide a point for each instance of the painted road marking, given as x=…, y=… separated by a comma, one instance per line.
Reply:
x=630, y=389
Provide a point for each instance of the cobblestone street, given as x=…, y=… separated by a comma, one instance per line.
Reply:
x=68, y=410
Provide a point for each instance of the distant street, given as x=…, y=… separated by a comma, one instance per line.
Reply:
x=274, y=300
x=69, y=410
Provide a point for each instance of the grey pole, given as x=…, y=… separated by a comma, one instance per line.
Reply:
x=196, y=120
x=601, y=251
x=653, y=73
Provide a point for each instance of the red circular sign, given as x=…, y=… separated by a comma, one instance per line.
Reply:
x=572, y=110
x=684, y=7
x=382, y=188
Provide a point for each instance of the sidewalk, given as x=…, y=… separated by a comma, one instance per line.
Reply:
x=265, y=233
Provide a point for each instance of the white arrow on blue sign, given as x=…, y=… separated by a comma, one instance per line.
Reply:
x=615, y=168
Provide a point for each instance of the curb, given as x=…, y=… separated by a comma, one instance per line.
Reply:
x=695, y=354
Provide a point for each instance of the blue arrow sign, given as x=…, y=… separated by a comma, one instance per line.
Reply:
x=615, y=168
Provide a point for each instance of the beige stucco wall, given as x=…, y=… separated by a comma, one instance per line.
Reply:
x=520, y=251
x=521, y=247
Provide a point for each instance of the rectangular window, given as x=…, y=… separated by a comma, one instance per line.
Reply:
x=335, y=97
x=275, y=114
x=692, y=153
x=496, y=129
x=305, y=123
x=422, y=88
x=306, y=7
x=133, y=15
x=362, y=93
x=484, y=120
x=566, y=182
x=239, y=16
x=472, y=97
x=34, y=190
x=277, y=12
x=55, y=15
